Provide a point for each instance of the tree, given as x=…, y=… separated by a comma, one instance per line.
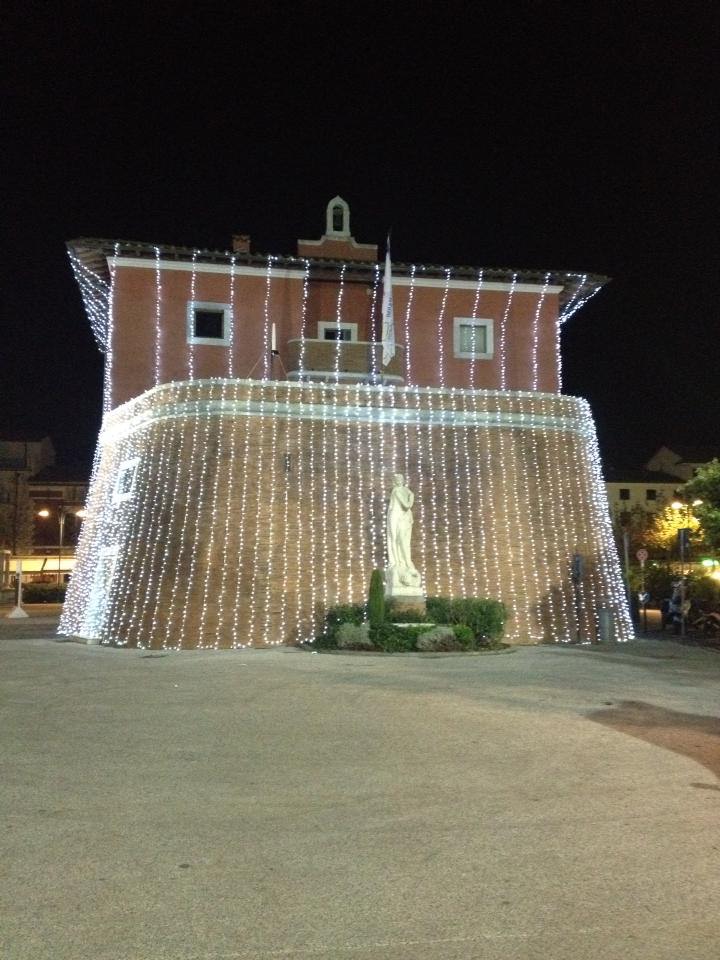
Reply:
x=635, y=522
x=661, y=536
x=705, y=486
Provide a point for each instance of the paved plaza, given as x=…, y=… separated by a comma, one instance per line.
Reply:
x=542, y=803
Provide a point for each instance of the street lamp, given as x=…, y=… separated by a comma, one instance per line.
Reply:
x=683, y=535
x=62, y=512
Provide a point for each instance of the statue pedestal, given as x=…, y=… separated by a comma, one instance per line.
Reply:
x=404, y=596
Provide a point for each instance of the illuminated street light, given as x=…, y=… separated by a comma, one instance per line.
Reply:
x=62, y=513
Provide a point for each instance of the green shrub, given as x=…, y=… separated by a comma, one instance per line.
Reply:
x=43, y=593
x=394, y=639
x=485, y=617
x=354, y=636
x=464, y=636
x=334, y=618
x=376, y=599
x=440, y=638
x=438, y=609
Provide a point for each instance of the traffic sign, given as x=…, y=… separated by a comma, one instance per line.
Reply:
x=642, y=556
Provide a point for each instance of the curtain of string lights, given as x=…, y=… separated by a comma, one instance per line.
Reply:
x=232, y=512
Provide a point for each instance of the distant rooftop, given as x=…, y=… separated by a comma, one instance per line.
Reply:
x=639, y=475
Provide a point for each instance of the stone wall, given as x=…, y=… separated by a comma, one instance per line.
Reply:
x=246, y=508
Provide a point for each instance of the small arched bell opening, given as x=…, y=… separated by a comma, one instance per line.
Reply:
x=337, y=218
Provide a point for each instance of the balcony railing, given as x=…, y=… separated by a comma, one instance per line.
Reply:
x=348, y=360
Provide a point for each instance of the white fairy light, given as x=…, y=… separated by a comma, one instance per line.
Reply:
x=374, y=372
x=158, y=317
x=338, y=320
x=193, y=298
x=408, y=312
x=95, y=293
x=212, y=523
x=303, y=320
x=535, y=327
x=309, y=397
x=231, y=320
x=473, y=513
x=271, y=491
x=108, y=373
x=260, y=491
x=266, y=321
x=503, y=333
x=235, y=420
x=476, y=304
x=441, y=329
x=189, y=528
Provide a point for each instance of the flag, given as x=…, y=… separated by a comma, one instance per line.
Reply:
x=388, y=326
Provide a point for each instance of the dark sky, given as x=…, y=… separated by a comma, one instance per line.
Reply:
x=547, y=135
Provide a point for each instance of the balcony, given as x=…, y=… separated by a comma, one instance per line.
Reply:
x=355, y=361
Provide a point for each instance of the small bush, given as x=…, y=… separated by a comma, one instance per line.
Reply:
x=394, y=639
x=438, y=609
x=464, y=636
x=43, y=593
x=376, y=599
x=354, y=636
x=485, y=617
x=441, y=638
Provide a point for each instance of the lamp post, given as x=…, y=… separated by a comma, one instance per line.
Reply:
x=683, y=535
x=62, y=512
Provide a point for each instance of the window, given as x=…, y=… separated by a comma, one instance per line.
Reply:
x=624, y=493
x=651, y=494
x=472, y=338
x=331, y=330
x=209, y=323
x=337, y=333
x=125, y=483
x=338, y=216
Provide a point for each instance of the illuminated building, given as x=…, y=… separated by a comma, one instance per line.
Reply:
x=251, y=430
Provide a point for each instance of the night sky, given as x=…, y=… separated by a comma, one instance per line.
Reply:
x=556, y=136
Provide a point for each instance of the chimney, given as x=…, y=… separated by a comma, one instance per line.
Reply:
x=241, y=243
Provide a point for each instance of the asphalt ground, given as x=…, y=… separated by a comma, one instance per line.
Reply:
x=543, y=803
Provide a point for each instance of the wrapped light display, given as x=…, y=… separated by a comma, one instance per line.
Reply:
x=256, y=504
x=177, y=553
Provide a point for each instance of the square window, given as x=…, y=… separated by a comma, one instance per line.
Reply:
x=624, y=493
x=337, y=333
x=651, y=494
x=472, y=338
x=209, y=323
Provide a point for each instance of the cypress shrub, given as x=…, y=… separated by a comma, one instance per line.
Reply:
x=376, y=599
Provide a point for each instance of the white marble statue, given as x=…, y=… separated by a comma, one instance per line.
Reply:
x=401, y=575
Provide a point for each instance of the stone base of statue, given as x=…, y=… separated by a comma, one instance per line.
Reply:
x=404, y=587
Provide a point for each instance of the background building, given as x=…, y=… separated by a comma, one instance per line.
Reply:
x=251, y=431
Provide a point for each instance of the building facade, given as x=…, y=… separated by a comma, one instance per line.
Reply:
x=251, y=430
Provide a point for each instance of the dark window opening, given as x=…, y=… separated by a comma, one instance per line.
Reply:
x=337, y=219
x=337, y=333
x=624, y=493
x=651, y=494
x=209, y=324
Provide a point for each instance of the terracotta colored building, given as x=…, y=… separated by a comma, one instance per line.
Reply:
x=251, y=428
